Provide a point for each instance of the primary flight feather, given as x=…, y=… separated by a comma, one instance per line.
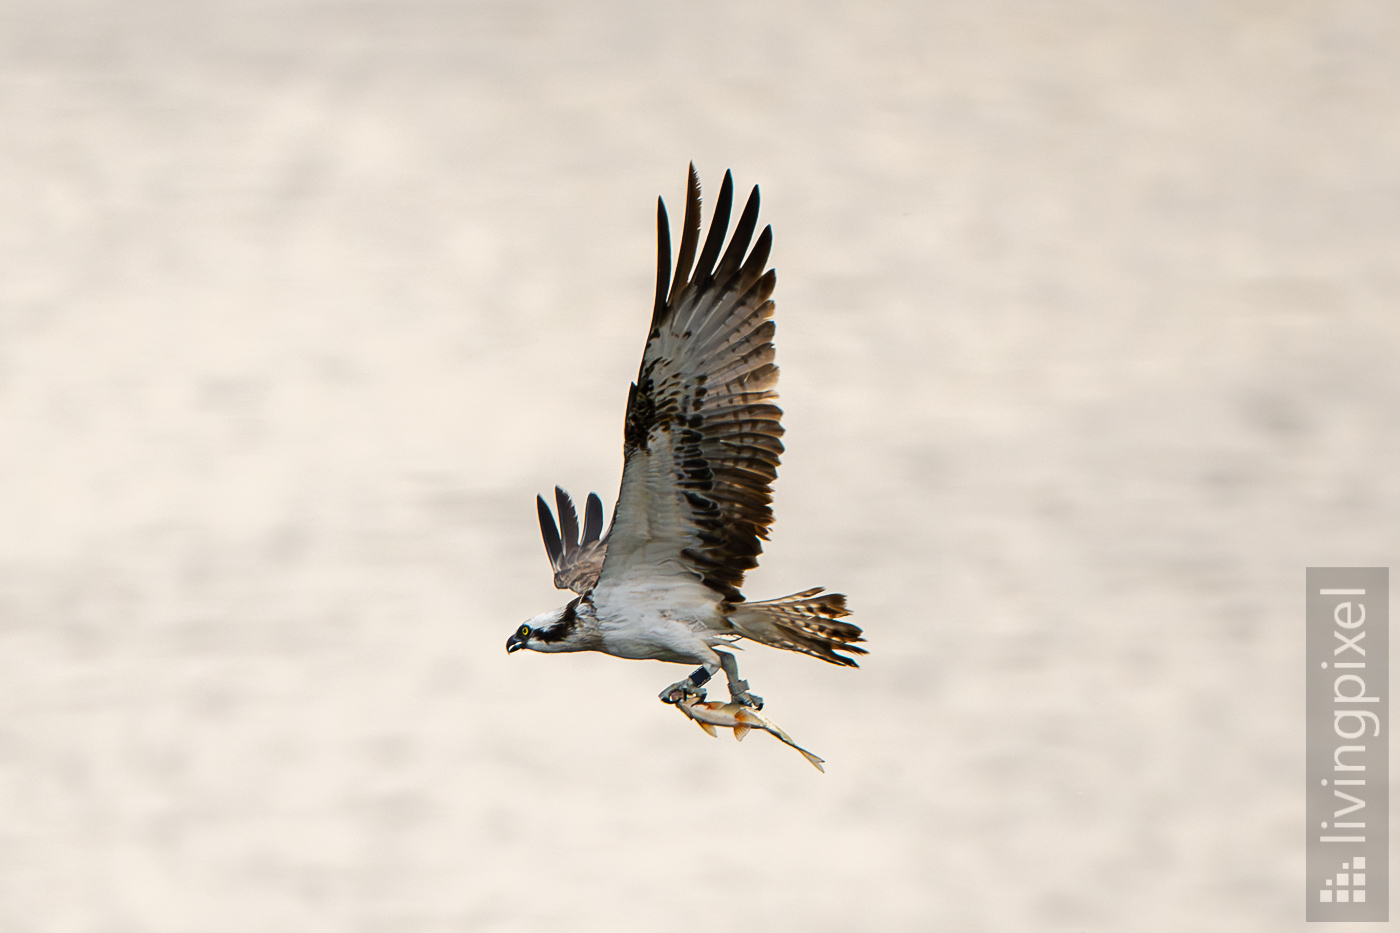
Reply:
x=701, y=444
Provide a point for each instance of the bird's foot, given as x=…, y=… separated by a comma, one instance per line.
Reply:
x=739, y=693
x=682, y=691
x=692, y=688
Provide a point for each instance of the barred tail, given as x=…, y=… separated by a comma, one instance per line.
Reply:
x=805, y=622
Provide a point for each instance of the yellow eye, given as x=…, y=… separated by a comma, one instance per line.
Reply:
x=524, y=631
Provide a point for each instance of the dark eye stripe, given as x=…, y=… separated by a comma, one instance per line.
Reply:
x=561, y=629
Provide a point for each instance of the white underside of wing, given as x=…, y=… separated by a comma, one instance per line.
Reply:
x=651, y=525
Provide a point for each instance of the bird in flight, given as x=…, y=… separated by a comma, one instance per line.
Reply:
x=701, y=447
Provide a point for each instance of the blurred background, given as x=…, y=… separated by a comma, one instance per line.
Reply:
x=1088, y=333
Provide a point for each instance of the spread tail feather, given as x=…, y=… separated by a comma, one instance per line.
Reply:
x=808, y=622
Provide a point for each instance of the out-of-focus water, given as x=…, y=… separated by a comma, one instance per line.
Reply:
x=1087, y=325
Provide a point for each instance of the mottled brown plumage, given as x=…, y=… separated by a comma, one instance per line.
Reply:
x=707, y=380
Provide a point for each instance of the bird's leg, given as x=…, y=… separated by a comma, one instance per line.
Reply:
x=693, y=687
x=738, y=689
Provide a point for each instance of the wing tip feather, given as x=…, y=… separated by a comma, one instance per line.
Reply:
x=553, y=545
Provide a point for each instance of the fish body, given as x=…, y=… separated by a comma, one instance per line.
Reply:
x=741, y=719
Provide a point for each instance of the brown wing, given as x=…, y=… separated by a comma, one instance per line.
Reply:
x=576, y=562
x=701, y=441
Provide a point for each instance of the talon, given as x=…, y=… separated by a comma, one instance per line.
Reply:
x=749, y=700
x=682, y=691
x=739, y=693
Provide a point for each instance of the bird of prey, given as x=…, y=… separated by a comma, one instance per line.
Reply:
x=701, y=447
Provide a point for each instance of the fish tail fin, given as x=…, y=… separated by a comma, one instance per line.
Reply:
x=772, y=729
x=786, y=739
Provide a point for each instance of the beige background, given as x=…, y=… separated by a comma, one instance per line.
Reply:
x=1088, y=332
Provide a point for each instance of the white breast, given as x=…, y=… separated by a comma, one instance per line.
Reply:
x=662, y=618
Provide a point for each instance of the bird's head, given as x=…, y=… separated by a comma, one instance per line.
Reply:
x=556, y=630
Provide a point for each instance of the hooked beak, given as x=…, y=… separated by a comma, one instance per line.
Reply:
x=514, y=643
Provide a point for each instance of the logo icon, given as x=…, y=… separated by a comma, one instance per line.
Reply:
x=1349, y=885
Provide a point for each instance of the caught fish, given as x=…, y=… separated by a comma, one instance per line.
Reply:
x=741, y=719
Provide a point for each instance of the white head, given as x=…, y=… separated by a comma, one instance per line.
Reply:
x=556, y=630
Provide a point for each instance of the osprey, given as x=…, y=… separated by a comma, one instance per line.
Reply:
x=701, y=447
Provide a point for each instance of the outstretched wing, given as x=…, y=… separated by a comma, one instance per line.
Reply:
x=576, y=562
x=701, y=441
